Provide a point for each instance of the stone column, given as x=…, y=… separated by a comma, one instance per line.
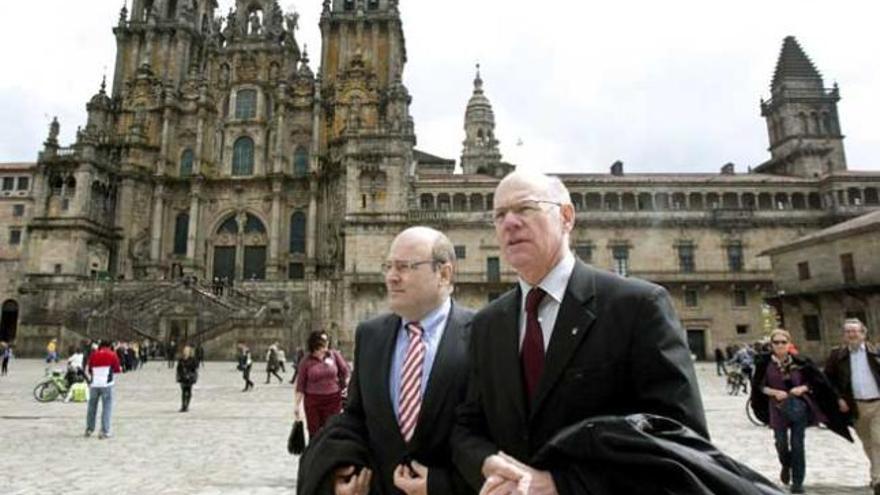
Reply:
x=311, y=219
x=123, y=220
x=272, y=270
x=192, y=233
x=156, y=228
x=278, y=162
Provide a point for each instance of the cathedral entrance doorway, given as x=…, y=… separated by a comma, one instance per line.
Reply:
x=8, y=321
x=240, y=248
x=224, y=263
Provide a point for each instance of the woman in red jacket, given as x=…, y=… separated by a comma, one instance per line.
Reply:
x=320, y=379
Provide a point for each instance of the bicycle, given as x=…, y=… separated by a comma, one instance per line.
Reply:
x=53, y=386
x=751, y=414
x=736, y=381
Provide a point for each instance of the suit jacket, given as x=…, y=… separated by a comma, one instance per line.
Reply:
x=369, y=401
x=839, y=371
x=617, y=348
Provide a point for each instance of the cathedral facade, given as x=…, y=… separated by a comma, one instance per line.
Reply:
x=222, y=190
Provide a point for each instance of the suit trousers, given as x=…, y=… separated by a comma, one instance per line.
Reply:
x=868, y=428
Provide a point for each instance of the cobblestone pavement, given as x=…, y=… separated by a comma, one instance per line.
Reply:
x=232, y=442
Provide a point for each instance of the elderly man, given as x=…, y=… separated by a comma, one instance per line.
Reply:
x=570, y=342
x=854, y=370
x=410, y=373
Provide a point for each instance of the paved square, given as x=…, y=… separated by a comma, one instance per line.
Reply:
x=232, y=442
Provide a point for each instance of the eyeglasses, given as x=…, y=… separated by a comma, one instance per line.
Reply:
x=779, y=342
x=403, y=266
x=524, y=209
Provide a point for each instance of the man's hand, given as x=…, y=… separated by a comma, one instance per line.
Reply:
x=780, y=395
x=412, y=481
x=843, y=406
x=349, y=483
x=506, y=475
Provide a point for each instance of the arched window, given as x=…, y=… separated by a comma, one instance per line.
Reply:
x=186, y=163
x=243, y=156
x=298, y=233
x=8, y=320
x=254, y=225
x=181, y=232
x=230, y=226
x=459, y=202
x=477, y=202
x=246, y=104
x=426, y=201
x=70, y=186
x=300, y=162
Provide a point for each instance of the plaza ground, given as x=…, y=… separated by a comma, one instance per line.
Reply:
x=235, y=443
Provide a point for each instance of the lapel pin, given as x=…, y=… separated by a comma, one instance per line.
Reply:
x=574, y=331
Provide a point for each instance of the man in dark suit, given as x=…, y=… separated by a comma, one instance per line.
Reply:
x=854, y=370
x=410, y=373
x=568, y=343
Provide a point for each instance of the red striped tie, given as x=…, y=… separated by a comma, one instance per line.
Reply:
x=411, y=381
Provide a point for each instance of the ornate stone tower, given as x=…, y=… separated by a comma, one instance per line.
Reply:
x=802, y=120
x=480, y=154
x=366, y=131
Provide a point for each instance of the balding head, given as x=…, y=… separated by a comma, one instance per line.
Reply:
x=533, y=219
x=419, y=271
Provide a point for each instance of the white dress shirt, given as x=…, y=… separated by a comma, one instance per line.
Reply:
x=554, y=284
x=864, y=385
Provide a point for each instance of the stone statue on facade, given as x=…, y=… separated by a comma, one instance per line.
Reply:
x=54, y=129
x=256, y=28
x=230, y=31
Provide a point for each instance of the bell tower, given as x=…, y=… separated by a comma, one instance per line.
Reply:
x=480, y=154
x=802, y=120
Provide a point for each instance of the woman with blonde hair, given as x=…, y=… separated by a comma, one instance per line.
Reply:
x=790, y=393
x=187, y=376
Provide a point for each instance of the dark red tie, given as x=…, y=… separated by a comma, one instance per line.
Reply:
x=533, y=344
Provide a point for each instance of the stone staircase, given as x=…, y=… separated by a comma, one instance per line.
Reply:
x=136, y=310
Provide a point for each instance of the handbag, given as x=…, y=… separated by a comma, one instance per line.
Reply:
x=296, y=442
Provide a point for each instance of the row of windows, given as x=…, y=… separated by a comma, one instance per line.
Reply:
x=612, y=201
x=243, y=159
x=687, y=264
x=253, y=225
x=847, y=269
x=739, y=297
x=16, y=183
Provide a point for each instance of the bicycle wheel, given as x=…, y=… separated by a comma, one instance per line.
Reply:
x=46, y=392
x=751, y=414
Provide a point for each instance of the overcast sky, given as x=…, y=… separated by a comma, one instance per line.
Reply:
x=663, y=86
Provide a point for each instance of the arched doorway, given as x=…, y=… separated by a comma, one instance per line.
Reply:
x=8, y=321
x=240, y=248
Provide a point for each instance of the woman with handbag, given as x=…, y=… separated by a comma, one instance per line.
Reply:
x=187, y=376
x=790, y=393
x=318, y=380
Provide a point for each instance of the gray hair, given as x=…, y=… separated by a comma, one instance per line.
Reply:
x=856, y=321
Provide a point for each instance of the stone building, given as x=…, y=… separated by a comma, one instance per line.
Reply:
x=218, y=161
x=16, y=207
x=826, y=277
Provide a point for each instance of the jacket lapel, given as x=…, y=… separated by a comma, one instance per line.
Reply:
x=504, y=336
x=573, y=322
x=442, y=373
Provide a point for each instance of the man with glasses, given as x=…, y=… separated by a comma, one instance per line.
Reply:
x=854, y=370
x=570, y=342
x=410, y=373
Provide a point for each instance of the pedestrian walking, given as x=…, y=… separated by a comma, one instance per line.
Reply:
x=6, y=356
x=297, y=358
x=102, y=369
x=52, y=351
x=171, y=353
x=187, y=376
x=854, y=370
x=320, y=380
x=282, y=357
x=720, y=368
x=790, y=393
x=272, y=363
x=245, y=362
x=200, y=355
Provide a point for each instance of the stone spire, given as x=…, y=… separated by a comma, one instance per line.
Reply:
x=795, y=65
x=480, y=154
x=802, y=119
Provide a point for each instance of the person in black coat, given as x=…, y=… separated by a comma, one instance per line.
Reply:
x=593, y=343
x=790, y=393
x=187, y=376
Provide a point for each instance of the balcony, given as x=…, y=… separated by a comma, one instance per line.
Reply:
x=707, y=276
